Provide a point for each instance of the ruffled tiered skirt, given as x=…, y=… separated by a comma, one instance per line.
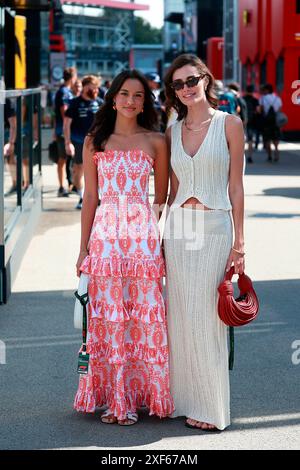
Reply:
x=127, y=330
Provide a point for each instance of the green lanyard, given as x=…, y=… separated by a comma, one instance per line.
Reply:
x=83, y=361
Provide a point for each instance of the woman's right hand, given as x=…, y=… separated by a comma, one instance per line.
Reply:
x=82, y=255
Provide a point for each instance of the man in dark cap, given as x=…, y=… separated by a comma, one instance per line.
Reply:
x=154, y=83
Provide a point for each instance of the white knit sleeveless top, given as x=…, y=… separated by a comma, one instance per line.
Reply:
x=205, y=175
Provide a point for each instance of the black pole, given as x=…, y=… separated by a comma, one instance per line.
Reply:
x=19, y=151
x=39, y=123
x=30, y=136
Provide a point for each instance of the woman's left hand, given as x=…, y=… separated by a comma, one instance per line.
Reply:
x=238, y=260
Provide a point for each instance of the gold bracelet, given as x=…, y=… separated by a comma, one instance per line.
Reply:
x=239, y=252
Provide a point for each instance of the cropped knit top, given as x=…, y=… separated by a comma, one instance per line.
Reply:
x=205, y=175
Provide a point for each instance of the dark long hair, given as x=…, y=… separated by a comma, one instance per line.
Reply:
x=171, y=99
x=105, y=119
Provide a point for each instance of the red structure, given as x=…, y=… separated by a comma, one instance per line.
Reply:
x=270, y=50
x=57, y=42
x=215, y=56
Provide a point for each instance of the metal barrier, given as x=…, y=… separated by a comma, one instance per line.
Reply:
x=19, y=211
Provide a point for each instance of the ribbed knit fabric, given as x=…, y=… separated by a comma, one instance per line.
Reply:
x=199, y=376
x=197, y=245
x=205, y=175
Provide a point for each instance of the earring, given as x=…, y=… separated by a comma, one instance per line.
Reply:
x=114, y=105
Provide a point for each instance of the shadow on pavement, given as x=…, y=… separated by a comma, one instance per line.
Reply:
x=288, y=165
x=268, y=215
x=283, y=192
x=39, y=379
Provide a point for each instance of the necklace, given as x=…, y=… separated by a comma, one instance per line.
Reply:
x=197, y=130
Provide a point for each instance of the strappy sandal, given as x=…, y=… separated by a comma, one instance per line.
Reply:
x=199, y=428
x=108, y=417
x=131, y=417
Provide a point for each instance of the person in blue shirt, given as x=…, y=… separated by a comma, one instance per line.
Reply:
x=78, y=119
x=63, y=98
x=226, y=99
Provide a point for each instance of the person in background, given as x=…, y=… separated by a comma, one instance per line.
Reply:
x=25, y=136
x=259, y=123
x=154, y=83
x=62, y=100
x=107, y=85
x=10, y=132
x=226, y=99
x=78, y=119
x=270, y=104
x=241, y=110
x=77, y=88
x=102, y=88
x=252, y=104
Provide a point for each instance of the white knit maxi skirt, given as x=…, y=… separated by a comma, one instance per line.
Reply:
x=197, y=245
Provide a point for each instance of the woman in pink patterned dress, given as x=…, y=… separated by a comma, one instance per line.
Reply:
x=120, y=250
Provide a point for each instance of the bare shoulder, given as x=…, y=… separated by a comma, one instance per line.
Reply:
x=88, y=143
x=233, y=125
x=158, y=141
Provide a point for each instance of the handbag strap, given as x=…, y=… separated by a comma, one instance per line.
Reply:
x=83, y=299
x=228, y=277
x=230, y=273
x=231, y=351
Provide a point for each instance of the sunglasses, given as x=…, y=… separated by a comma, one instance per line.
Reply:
x=190, y=82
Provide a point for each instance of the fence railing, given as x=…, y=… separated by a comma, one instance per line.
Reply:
x=19, y=169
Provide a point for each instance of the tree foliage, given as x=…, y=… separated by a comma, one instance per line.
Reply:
x=144, y=33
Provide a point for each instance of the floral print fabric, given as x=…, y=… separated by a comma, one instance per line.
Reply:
x=127, y=332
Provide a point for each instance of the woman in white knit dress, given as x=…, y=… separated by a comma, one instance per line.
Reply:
x=201, y=240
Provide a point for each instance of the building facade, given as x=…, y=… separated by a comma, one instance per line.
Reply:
x=146, y=57
x=99, y=35
x=231, y=59
x=173, y=29
x=98, y=40
x=189, y=26
x=269, y=37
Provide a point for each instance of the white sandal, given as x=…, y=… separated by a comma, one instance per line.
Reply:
x=108, y=417
x=133, y=417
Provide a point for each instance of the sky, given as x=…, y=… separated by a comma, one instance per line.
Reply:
x=155, y=14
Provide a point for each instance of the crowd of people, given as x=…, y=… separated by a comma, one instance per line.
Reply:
x=77, y=101
x=258, y=114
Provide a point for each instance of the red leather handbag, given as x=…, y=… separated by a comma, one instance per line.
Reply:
x=240, y=311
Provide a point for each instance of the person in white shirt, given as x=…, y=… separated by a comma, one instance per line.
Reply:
x=270, y=105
